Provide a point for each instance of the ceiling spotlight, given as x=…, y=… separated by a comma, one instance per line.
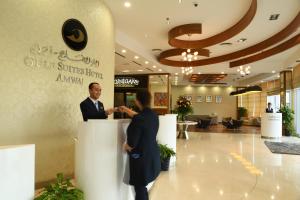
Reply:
x=176, y=73
x=222, y=73
x=244, y=70
x=168, y=20
x=199, y=72
x=242, y=40
x=278, y=76
x=154, y=66
x=179, y=1
x=123, y=51
x=136, y=57
x=125, y=70
x=159, y=70
x=273, y=71
x=146, y=62
x=140, y=70
x=127, y=4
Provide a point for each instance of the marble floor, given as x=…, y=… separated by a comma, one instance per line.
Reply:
x=213, y=166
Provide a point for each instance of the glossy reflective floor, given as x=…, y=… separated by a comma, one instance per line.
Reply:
x=213, y=166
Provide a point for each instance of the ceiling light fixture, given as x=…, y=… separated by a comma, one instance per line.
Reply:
x=159, y=70
x=273, y=71
x=154, y=66
x=247, y=90
x=126, y=71
x=136, y=57
x=146, y=62
x=242, y=40
x=168, y=20
x=189, y=56
x=127, y=4
x=186, y=70
x=244, y=71
x=123, y=51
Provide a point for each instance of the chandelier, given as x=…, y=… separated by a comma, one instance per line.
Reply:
x=244, y=71
x=187, y=70
x=189, y=56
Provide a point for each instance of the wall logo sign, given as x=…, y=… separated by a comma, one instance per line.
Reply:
x=74, y=34
x=126, y=82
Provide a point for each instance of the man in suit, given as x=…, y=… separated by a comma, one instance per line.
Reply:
x=91, y=108
x=269, y=109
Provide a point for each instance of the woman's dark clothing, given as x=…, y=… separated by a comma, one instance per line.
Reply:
x=141, y=193
x=144, y=159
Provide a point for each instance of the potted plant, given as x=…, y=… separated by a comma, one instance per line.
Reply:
x=183, y=107
x=62, y=189
x=165, y=156
x=287, y=121
x=242, y=112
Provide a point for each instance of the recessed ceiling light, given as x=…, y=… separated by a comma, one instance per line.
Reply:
x=123, y=50
x=199, y=72
x=146, y=62
x=273, y=71
x=179, y=1
x=125, y=70
x=140, y=70
x=159, y=70
x=242, y=40
x=261, y=81
x=136, y=57
x=176, y=73
x=127, y=4
x=278, y=76
x=222, y=73
x=154, y=66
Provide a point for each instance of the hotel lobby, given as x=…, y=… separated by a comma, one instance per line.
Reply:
x=224, y=79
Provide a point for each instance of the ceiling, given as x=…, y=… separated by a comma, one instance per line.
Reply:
x=143, y=27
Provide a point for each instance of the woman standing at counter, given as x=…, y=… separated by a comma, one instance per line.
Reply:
x=142, y=148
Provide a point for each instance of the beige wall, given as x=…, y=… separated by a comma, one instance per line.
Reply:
x=225, y=109
x=35, y=108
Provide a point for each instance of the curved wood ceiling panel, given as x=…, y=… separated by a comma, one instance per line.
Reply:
x=225, y=35
x=275, y=50
x=278, y=37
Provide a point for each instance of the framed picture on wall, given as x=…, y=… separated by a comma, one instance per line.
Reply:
x=199, y=99
x=208, y=98
x=160, y=99
x=218, y=99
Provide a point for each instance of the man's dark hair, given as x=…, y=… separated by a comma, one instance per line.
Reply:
x=269, y=103
x=144, y=97
x=91, y=85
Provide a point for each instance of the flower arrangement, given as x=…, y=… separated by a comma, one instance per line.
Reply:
x=183, y=107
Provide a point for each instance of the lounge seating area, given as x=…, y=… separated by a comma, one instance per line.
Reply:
x=232, y=123
x=204, y=121
x=251, y=121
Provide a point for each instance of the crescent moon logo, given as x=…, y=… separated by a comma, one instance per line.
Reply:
x=79, y=38
x=74, y=34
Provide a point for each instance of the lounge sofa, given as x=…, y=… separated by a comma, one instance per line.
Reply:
x=232, y=123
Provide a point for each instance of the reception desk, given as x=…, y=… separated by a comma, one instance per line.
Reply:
x=271, y=125
x=101, y=166
x=17, y=172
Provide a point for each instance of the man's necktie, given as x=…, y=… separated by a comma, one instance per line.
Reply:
x=97, y=106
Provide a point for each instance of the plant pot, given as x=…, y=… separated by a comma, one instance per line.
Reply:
x=286, y=132
x=165, y=164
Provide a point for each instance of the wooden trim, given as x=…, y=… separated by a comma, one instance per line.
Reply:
x=288, y=30
x=197, y=28
x=275, y=50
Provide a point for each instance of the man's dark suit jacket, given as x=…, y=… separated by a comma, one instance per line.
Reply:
x=141, y=135
x=269, y=110
x=89, y=110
